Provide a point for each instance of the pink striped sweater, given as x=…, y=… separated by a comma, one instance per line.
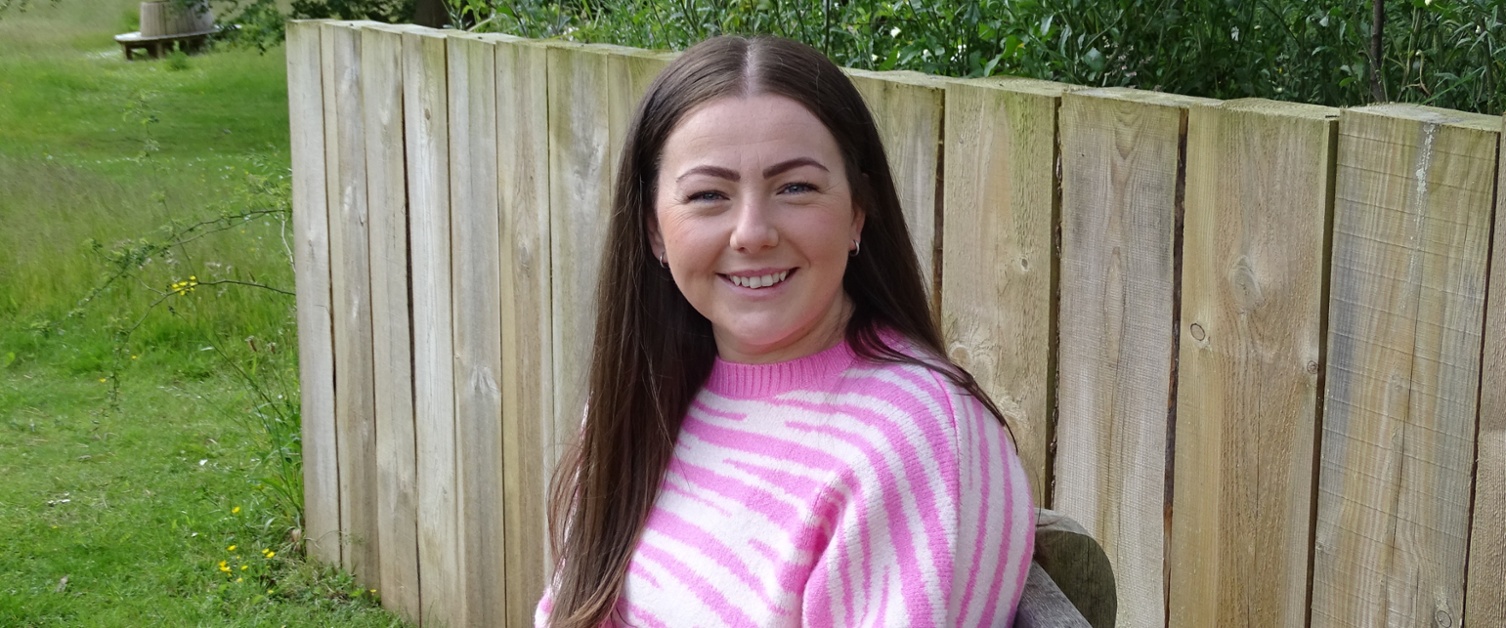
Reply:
x=833, y=491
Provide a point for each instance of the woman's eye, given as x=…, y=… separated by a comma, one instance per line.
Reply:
x=704, y=196
x=798, y=188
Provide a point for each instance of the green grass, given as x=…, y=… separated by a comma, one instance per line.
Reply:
x=127, y=440
x=120, y=517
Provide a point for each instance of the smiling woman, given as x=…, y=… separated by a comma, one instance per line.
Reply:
x=754, y=217
x=774, y=437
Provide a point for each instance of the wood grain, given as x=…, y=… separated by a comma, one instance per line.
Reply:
x=629, y=72
x=316, y=358
x=1411, y=235
x=476, y=272
x=527, y=360
x=1120, y=199
x=580, y=184
x=593, y=91
x=908, y=109
x=355, y=395
x=998, y=262
x=386, y=191
x=426, y=133
x=1259, y=181
x=1485, y=593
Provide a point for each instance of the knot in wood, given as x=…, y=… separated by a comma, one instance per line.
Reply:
x=1246, y=285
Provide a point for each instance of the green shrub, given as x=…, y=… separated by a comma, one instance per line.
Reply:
x=1448, y=53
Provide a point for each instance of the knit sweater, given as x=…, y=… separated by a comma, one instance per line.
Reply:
x=833, y=491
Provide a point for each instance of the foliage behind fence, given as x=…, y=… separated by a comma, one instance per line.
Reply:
x=1447, y=53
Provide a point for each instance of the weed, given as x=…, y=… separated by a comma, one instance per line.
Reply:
x=270, y=412
x=177, y=60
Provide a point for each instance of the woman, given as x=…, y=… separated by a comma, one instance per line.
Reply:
x=773, y=436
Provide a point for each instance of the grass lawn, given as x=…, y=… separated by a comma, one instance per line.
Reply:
x=146, y=431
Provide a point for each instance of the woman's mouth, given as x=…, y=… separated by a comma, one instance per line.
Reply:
x=757, y=282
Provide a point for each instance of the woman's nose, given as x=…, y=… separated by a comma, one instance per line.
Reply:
x=754, y=229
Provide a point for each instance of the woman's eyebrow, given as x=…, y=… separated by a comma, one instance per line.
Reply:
x=732, y=175
x=714, y=171
x=791, y=164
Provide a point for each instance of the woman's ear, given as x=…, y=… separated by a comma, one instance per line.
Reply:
x=655, y=237
x=858, y=215
x=857, y=223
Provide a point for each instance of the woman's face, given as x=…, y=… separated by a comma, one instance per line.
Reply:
x=755, y=218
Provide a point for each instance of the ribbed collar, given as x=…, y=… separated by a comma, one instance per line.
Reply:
x=753, y=381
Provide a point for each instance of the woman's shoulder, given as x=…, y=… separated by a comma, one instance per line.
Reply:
x=921, y=414
x=923, y=388
x=904, y=365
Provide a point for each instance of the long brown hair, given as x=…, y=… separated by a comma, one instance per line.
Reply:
x=653, y=351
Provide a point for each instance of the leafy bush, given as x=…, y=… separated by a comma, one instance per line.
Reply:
x=1448, y=53
x=262, y=23
x=379, y=10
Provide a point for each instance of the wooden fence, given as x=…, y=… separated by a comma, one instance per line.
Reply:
x=1252, y=346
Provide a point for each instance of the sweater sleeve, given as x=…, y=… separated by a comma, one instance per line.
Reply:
x=932, y=526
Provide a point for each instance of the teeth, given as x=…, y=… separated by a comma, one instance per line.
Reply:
x=763, y=281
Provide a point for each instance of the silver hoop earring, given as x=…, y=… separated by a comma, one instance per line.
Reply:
x=857, y=245
x=662, y=263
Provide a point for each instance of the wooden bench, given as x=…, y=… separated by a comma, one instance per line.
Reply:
x=1071, y=583
x=154, y=46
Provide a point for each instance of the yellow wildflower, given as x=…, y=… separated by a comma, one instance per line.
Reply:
x=236, y=510
x=237, y=579
x=184, y=287
x=243, y=567
x=231, y=548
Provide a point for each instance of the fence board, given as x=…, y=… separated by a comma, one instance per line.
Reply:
x=426, y=133
x=1411, y=224
x=580, y=186
x=1258, y=202
x=593, y=90
x=476, y=268
x=1485, y=592
x=386, y=191
x=907, y=107
x=1120, y=202
x=316, y=359
x=355, y=396
x=630, y=71
x=527, y=382
x=1001, y=212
